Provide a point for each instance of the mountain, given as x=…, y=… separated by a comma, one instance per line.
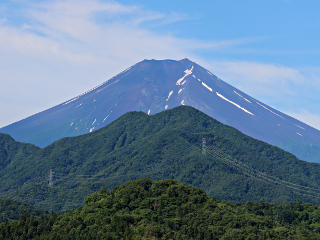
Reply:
x=153, y=86
x=167, y=209
x=181, y=143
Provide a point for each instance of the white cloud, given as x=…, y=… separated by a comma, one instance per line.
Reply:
x=59, y=49
x=293, y=91
x=258, y=77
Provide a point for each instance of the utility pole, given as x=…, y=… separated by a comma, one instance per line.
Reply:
x=203, y=146
x=50, y=179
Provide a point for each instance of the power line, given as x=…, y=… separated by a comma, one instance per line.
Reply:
x=50, y=179
x=251, y=172
x=180, y=154
x=203, y=146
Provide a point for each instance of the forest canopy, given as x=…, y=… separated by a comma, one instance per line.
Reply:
x=167, y=209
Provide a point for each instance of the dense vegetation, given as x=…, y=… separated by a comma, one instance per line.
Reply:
x=11, y=210
x=165, y=145
x=166, y=209
x=11, y=150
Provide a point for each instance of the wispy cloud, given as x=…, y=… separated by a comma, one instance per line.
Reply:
x=74, y=30
x=259, y=77
x=293, y=91
x=53, y=50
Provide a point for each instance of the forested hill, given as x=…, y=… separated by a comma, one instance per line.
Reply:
x=11, y=210
x=10, y=150
x=166, y=209
x=182, y=143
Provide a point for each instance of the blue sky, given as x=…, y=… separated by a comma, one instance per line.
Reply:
x=51, y=51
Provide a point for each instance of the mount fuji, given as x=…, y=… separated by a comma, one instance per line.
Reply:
x=153, y=86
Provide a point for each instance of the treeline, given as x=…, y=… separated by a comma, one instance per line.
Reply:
x=167, y=209
x=11, y=210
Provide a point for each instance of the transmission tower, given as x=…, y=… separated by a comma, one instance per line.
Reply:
x=50, y=179
x=203, y=146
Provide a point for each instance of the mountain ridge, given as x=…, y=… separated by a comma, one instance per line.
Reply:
x=165, y=145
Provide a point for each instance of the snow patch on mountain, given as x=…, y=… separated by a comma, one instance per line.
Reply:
x=242, y=97
x=106, y=118
x=237, y=105
x=170, y=93
x=94, y=121
x=180, y=90
x=187, y=72
x=209, y=88
x=71, y=100
x=299, y=134
x=92, y=89
x=269, y=110
x=182, y=102
x=149, y=112
x=166, y=107
x=300, y=127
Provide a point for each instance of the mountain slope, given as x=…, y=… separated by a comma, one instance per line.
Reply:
x=165, y=145
x=153, y=86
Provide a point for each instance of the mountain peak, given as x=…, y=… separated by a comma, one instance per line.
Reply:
x=186, y=60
